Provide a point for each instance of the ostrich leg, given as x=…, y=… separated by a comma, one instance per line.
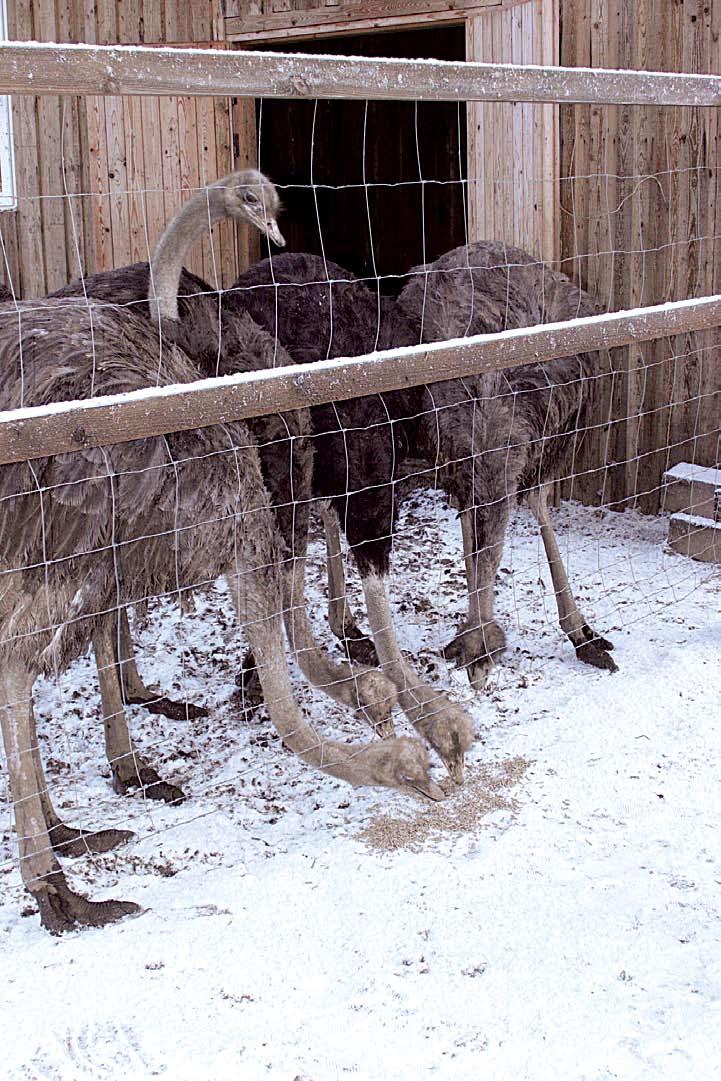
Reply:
x=442, y=723
x=480, y=641
x=340, y=615
x=134, y=691
x=129, y=768
x=60, y=908
x=66, y=840
x=590, y=647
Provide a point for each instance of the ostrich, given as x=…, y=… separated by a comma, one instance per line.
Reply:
x=221, y=341
x=359, y=444
x=83, y=532
x=499, y=436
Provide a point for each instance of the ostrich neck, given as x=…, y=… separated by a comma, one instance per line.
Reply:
x=200, y=212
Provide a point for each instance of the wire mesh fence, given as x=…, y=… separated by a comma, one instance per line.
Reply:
x=182, y=528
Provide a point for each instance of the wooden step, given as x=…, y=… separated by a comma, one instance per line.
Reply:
x=695, y=536
x=693, y=489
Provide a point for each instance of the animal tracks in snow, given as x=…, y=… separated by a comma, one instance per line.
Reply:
x=93, y=1052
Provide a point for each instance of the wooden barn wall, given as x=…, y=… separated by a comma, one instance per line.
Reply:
x=513, y=148
x=640, y=220
x=98, y=178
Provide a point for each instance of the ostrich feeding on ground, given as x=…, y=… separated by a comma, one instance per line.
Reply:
x=83, y=532
x=317, y=309
x=500, y=436
x=222, y=341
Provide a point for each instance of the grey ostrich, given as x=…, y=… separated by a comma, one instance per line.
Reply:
x=317, y=309
x=222, y=341
x=498, y=437
x=86, y=532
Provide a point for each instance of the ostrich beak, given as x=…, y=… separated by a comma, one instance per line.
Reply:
x=455, y=766
x=269, y=226
x=426, y=787
x=272, y=230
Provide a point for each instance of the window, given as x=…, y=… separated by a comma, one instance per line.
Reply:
x=8, y=200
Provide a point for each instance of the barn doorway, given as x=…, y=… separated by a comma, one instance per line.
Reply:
x=388, y=176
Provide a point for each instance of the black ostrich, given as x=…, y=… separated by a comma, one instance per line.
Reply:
x=317, y=309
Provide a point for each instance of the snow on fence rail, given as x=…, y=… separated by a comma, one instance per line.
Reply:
x=39, y=431
x=39, y=68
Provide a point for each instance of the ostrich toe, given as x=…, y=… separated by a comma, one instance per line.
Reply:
x=63, y=910
x=73, y=843
x=477, y=650
x=167, y=707
x=358, y=647
x=595, y=651
x=132, y=771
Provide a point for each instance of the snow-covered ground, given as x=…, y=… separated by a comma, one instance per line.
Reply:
x=557, y=919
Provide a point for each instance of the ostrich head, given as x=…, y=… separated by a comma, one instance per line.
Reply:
x=402, y=763
x=450, y=734
x=249, y=196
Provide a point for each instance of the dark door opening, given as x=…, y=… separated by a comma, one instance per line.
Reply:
x=387, y=176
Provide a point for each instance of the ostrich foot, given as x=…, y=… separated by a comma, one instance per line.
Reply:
x=444, y=725
x=358, y=646
x=72, y=843
x=132, y=771
x=595, y=651
x=62, y=910
x=375, y=697
x=477, y=650
x=166, y=707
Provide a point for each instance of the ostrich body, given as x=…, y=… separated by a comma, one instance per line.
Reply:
x=85, y=532
x=502, y=435
x=317, y=309
x=222, y=340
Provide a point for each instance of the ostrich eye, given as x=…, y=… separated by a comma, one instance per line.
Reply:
x=251, y=197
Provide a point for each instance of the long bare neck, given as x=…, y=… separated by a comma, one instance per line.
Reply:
x=196, y=217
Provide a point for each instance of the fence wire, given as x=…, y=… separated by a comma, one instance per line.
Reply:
x=173, y=555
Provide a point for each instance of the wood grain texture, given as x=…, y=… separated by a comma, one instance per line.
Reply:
x=513, y=147
x=89, y=169
x=640, y=226
x=85, y=69
x=280, y=19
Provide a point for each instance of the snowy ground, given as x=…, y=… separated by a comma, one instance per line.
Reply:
x=558, y=919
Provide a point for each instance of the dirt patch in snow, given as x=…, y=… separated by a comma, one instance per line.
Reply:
x=486, y=789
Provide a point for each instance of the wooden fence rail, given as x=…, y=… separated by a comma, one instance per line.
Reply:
x=34, y=68
x=64, y=426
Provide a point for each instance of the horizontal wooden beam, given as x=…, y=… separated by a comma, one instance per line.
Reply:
x=65, y=426
x=39, y=68
x=353, y=18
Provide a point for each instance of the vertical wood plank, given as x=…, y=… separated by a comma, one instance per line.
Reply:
x=27, y=175
x=245, y=155
x=151, y=184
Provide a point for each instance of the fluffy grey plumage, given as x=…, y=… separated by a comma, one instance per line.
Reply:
x=500, y=435
x=84, y=533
